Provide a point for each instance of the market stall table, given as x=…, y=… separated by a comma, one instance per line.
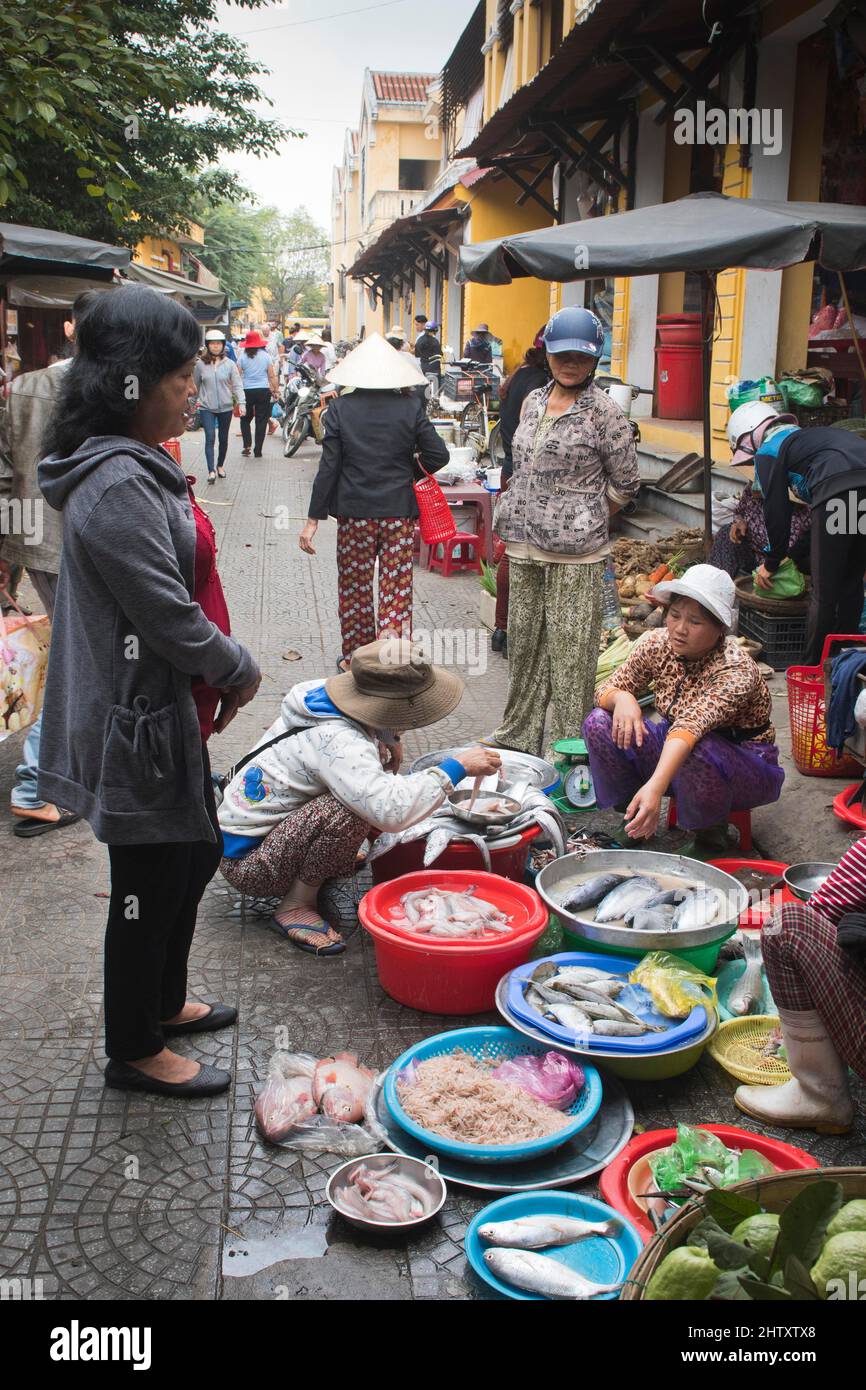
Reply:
x=469, y=495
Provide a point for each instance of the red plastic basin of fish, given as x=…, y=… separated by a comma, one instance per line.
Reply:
x=757, y=914
x=441, y=976
x=521, y=903
x=509, y=861
x=614, y=1188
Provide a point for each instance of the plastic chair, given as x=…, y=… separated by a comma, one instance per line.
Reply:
x=741, y=820
x=468, y=543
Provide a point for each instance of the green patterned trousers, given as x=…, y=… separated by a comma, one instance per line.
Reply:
x=554, y=630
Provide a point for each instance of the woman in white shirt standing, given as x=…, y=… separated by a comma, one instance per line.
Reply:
x=219, y=386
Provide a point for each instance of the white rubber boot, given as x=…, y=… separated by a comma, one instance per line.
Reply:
x=817, y=1097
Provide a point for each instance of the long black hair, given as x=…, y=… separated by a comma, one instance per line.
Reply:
x=126, y=342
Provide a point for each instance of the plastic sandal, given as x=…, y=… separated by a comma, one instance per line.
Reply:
x=285, y=929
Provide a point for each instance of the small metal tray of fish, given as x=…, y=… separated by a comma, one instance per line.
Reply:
x=552, y=1245
x=516, y=767
x=647, y=901
x=574, y=1161
x=626, y=1010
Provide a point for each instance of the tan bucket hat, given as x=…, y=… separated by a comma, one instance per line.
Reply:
x=375, y=365
x=389, y=685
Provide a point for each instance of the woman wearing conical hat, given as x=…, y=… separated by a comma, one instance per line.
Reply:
x=373, y=432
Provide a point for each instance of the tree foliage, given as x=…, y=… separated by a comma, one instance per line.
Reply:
x=114, y=114
x=234, y=246
x=295, y=258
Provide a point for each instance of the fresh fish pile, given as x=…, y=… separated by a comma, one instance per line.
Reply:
x=748, y=992
x=383, y=1195
x=641, y=903
x=440, y=829
x=442, y=912
x=543, y=1232
x=583, y=1000
x=300, y=1087
x=540, y=1274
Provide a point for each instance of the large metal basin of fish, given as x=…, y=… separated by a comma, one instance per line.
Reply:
x=556, y=880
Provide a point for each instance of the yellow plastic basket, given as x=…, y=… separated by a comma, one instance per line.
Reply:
x=738, y=1047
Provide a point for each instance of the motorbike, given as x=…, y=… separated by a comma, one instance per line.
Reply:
x=301, y=396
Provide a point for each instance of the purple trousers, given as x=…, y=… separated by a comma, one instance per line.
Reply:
x=717, y=777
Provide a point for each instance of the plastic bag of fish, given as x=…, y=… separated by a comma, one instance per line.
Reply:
x=316, y=1105
x=583, y=1000
x=442, y=912
x=641, y=902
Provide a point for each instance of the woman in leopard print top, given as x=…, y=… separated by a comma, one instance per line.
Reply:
x=714, y=747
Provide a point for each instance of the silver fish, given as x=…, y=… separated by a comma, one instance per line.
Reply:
x=585, y=974
x=543, y=972
x=668, y=897
x=570, y=1016
x=745, y=997
x=591, y=892
x=652, y=919
x=543, y=1232
x=614, y=1029
x=540, y=1274
x=625, y=898
x=697, y=909
x=607, y=989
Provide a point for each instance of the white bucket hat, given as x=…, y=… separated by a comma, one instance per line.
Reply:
x=712, y=588
x=375, y=365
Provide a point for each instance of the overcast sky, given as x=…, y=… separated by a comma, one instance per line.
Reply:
x=317, y=53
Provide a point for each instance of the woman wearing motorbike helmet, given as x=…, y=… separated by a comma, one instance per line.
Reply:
x=574, y=465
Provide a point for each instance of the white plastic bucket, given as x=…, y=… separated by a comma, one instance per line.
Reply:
x=621, y=396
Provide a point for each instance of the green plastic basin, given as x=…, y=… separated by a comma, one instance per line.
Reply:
x=704, y=957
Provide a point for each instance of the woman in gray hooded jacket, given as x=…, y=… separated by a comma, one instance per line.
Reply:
x=121, y=733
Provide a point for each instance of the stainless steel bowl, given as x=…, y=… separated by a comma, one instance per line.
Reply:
x=805, y=879
x=553, y=876
x=516, y=767
x=412, y=1168
x=459, y=803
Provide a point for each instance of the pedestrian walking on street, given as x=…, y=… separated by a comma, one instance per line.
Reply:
x=219, y=387
x=142, y=669
x=261, y=389
x=319, y=782
x=29, y=408
x=574, y=465
x=372, y=436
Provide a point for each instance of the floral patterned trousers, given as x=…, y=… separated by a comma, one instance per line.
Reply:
x=361, y=541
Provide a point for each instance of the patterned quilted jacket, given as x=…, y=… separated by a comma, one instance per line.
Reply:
x=558, y=498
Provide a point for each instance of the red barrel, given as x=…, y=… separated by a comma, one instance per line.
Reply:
x=678, y=329
x=680, y=387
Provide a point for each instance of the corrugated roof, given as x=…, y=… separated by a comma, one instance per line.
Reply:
x=402, y=86
x=386, y=248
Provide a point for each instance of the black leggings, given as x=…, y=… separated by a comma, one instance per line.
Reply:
x=258, y=405
x=838, y=564
x=155, y=893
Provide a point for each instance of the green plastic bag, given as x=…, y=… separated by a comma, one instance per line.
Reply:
x=788, y=582
x=764, y=389
x=699, y=1154
x=797, y=391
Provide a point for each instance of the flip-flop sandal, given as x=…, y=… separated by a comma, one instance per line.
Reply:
x=287, y=930
x=28, y=828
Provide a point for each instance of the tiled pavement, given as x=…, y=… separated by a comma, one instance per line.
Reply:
x=104, y=1196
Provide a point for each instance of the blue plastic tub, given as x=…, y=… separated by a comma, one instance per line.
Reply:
x=501, y=1044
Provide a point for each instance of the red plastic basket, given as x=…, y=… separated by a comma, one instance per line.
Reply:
x=435, y=518
x=806, y=707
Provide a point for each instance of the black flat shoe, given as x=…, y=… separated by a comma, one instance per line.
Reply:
x=209, y=1082
x=498, y=639
x=219, y=1016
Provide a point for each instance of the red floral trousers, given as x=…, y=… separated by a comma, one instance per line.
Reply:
x=361, y=541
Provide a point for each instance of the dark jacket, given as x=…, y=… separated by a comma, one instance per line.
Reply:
x=120, y=739
x=427, y=345
x=525, y=379
x=478, y=349
x=368, y=467
x=817, y=464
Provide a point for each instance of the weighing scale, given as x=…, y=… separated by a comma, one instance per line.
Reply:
x=578, y=791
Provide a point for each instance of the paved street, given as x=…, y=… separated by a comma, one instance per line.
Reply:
x=108, y=1196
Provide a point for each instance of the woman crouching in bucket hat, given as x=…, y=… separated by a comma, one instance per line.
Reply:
x=320, y=782
x=714, y=747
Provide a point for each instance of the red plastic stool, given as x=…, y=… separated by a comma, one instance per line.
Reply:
x=449, y=562
x=741, y=820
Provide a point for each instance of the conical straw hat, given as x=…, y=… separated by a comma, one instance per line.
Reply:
x=375, y=366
